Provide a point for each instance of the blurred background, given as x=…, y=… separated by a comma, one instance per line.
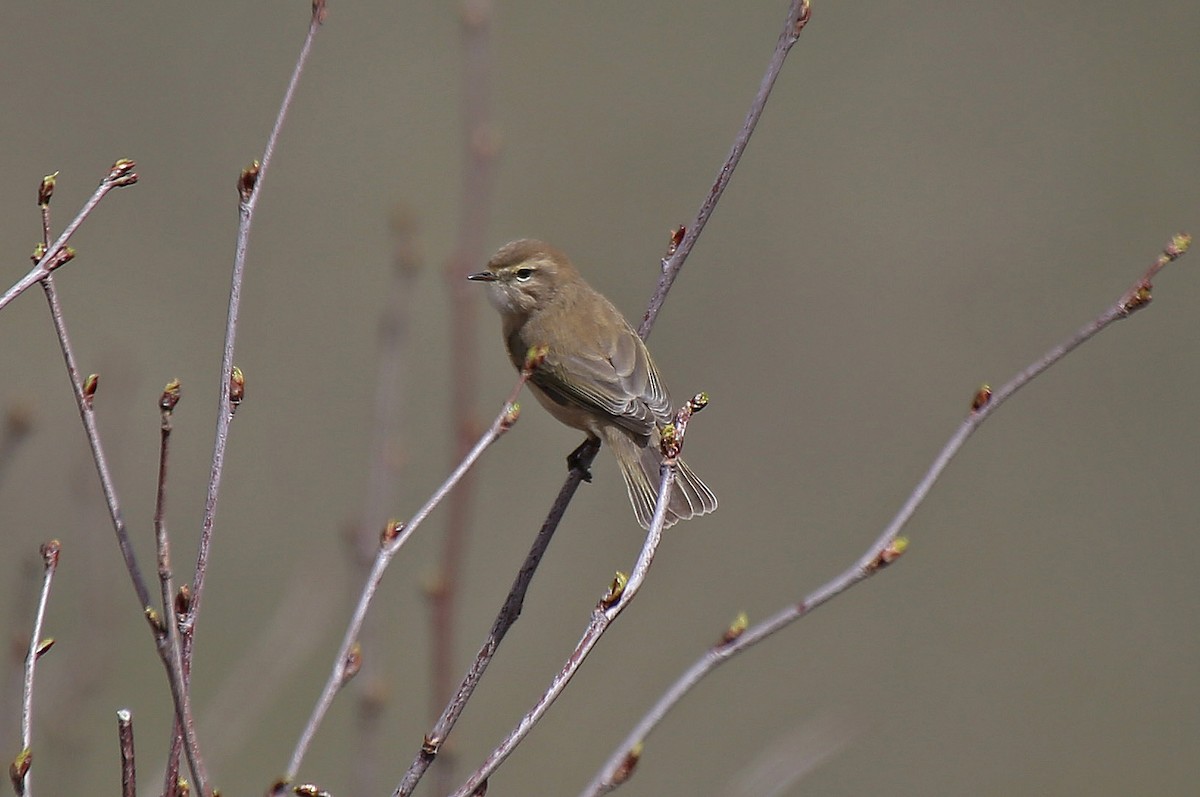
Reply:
x=937, y=193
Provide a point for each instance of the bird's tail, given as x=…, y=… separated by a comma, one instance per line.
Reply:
x=640, y=467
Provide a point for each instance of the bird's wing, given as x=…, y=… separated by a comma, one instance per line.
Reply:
x=617, y=378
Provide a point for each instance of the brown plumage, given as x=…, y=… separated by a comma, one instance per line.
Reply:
x=597, y=376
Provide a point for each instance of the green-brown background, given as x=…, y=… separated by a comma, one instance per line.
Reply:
x=937, y=193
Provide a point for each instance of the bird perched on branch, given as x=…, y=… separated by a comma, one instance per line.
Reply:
x=597, y=375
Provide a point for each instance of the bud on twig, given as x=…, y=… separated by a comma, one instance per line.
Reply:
x=735, y=629
x=628, y=764
x=50, y=551
x=353, y=663
x=170, y=396
x=89, y=388
x=237, y=388
x=248, y=180
x=122, y=173
x=46, y=189
x=615, y=590
x=19, y=768
x=983, y=397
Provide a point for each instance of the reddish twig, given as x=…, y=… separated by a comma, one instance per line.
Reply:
x=481, y=148
x=888, y=546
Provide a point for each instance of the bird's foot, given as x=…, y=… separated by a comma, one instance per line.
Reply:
x=580, y=459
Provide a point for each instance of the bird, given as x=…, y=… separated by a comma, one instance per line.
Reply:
x=597, y=375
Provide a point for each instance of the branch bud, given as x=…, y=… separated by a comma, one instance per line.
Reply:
x=170, y=396
x=237, y=387
x=352, y=664
x=46, y=189
x=89, y=388
x=248, y=180
x=122, y=173
x=983, y=397
x=627, y=765
x=510, y=416
x=735, y=629
x=390, y=531
x=615, y=590
x=50, y=551
x=19, y=768
x=535, y=357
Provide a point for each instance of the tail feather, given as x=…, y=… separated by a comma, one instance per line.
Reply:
x=640, y=468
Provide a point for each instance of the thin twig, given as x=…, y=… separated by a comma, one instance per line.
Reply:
x=249, y=190
x=167, y=636
x=798, y=15
x=84, y=391
x=620, y=595
x=508, y=615
x=128, y=763
x=888, y=546
x=395, y=534
x=481, y=147
x=121, y=174
x=37, y=646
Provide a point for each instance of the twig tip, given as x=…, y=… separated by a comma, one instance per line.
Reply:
x=46, y=189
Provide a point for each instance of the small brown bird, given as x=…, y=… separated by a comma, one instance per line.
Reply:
x=597, y=375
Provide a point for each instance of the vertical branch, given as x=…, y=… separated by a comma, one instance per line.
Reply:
x=391, y=368
x=166, y=636
x=481, y=149
x=249, y=190
x=230, y=390
x=19, y=771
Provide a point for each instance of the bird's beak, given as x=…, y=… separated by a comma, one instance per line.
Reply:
x=483, y=276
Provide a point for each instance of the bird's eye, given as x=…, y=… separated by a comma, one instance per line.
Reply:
x=523, y=274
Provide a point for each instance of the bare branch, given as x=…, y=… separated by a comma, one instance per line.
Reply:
x=167, y=636
x=51, y=257
x=889, y=546
x=229, y=392
x=797, y=17
x=19, y=771
x=620, y=595
x=395, y=535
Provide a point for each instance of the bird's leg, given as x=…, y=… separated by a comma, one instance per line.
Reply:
x=580, y=459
